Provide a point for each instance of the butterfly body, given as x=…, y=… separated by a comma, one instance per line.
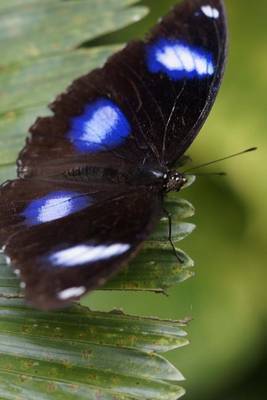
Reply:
x=92, y=177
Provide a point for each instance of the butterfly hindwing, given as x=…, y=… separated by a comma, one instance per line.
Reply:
x=65, y=239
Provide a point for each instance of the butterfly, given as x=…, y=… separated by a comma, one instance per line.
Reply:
x=92, y=177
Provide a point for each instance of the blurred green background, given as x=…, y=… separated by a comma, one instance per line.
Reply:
x=227, y=297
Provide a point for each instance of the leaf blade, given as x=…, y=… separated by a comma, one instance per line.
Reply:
x=88, y=361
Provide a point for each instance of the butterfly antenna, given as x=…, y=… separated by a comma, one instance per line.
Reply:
x=210, y=173
x=221, y=159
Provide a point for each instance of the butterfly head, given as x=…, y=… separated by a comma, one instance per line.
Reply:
x=174, y=181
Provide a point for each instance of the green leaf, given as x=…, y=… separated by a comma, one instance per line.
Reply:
x=77, y=353
x=80, y=354
x=36, y=28
x=156, y=267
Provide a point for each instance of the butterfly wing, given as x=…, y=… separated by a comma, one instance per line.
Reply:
x=65, y=239
x=186, y=51
x=147, y=103
x=67, y=235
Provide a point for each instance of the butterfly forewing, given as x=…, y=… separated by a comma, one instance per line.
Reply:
x=145, y=105
x=186, y=53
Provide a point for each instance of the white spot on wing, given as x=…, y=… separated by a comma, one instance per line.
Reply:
x=201, y=66
x=53, y=206
x=100, y=125
x=168, y=57
x=83, y=254
x=56, y=208
x=187, y=59
x=178, y=57
x=210, y=68
x=71, y=292
x=210, y=12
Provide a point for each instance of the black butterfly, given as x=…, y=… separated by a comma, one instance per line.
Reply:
x=92, y=177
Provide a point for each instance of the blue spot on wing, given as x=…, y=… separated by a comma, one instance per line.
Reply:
x=54, y=206
x=179, y=60
x=101, y=127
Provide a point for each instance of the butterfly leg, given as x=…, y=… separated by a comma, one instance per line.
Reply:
x=168, y=215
